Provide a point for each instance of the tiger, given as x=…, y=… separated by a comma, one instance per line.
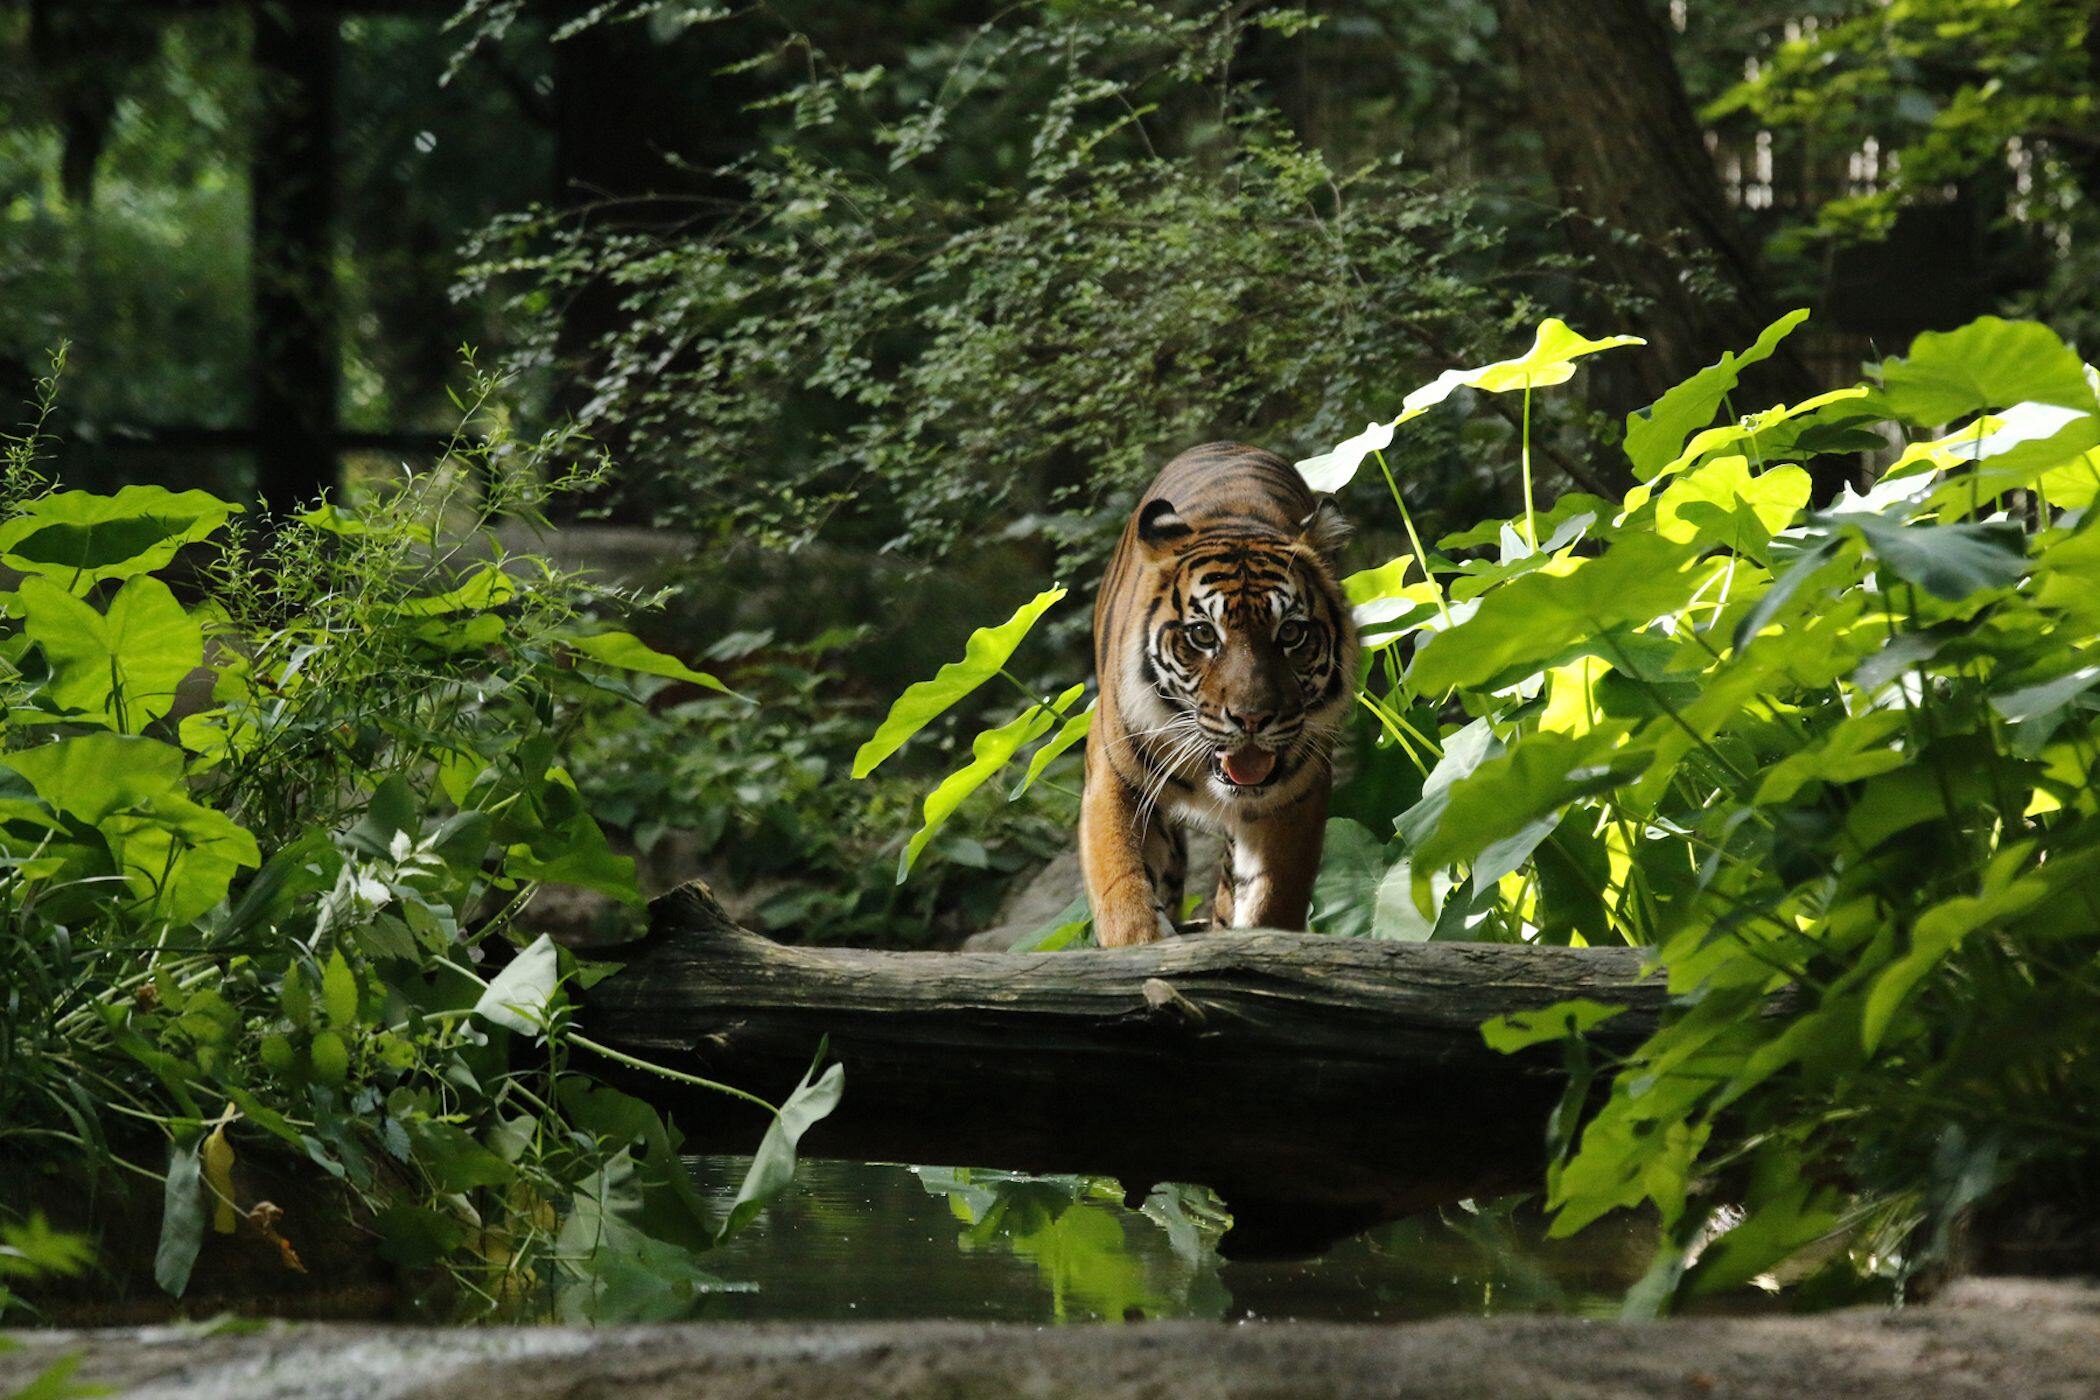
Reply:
x=1225, y=660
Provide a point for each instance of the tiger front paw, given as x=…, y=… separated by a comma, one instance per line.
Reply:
x=1126, y=923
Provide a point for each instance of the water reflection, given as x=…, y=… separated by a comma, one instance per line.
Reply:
x=861, y=1240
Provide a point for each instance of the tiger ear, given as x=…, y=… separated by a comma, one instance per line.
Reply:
x=1159, y=526
x=1325, y=529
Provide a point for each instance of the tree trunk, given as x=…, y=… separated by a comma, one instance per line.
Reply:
x=625, y=104
x=1628, y=157
x=1319, y=1084
x=297, y=360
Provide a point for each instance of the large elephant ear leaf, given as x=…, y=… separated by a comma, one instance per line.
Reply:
x=80, y=538
x=986, y=651
x=1656, y=433
x=1989, y=363
x=124, y=663
x=1550, y=360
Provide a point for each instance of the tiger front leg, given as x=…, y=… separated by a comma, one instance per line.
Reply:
x=1265, y=878
x=1125, y=894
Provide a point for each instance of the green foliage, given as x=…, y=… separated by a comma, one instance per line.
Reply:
x=1833, y=766
x=1944, y=86
x=1785, y=726
x=1005, y=280
x=271, y=806
x=759, y=798
x=1656, y=434
x=984, y=657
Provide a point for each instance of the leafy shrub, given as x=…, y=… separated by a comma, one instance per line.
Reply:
x=759, y=796
x=265, y=856
x=1000, y=282
x=1833, y=766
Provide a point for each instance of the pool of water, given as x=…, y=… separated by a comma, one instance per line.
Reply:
x=854, y=1240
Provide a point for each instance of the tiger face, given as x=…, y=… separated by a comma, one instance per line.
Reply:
x=1245, y=657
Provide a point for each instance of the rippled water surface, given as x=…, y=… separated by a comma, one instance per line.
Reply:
x=866, y=1240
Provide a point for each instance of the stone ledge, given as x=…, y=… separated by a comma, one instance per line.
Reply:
x=1994, y=1338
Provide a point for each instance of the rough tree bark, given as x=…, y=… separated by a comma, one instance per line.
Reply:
x=1318, y=1084
x=1627, y=155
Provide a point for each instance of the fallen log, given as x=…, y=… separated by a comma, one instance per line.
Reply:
x=1318, y=1084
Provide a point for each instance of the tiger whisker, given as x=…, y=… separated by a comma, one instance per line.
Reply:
x=1187, y=746
x=1149, y=800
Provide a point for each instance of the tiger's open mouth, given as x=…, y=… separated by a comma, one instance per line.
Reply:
x=1246, y=766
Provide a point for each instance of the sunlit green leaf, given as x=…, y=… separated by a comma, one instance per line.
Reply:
x=986, y=652
x=1521, y=1030
x=1752, y=432
x=1073, y=730
x=94, y=775
x=1551, y=523
x=1533, y=619
x=1385, y=581
x=1516, y=797
x=1464, y=752
x=126, y=663
x=1724, y=503
x=1549, y=361
x=629, y=653
x=1858, y=748
x=989, y=752
x=79, y=538
x=1989, y=363
x=488, y=586
x=178, y=856
x=1656, y=433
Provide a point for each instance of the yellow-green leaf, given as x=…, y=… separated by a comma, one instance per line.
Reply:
x=1385, y=581
x=125, y=663
x=991, y=751
x=1075, y=729
x=629, y=653
x=1550, y=360
x=1523, y=1029
x=986, y=651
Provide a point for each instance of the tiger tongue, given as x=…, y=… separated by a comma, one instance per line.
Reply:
x=1248, y=766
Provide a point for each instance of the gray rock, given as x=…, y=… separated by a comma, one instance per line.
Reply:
x=1984, y=1338
x=1036, y=901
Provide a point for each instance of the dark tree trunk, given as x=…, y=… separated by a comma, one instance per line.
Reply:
x=1628, y=157
x=297, y=360
x=1319, y=1084
x=641, y=130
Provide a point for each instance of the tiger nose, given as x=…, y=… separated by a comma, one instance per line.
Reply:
x=1250, y=721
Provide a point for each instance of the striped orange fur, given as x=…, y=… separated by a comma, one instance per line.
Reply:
x=1225, y=658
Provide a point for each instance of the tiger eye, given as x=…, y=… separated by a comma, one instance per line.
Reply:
x=1291, y=633
x=1201, y=634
